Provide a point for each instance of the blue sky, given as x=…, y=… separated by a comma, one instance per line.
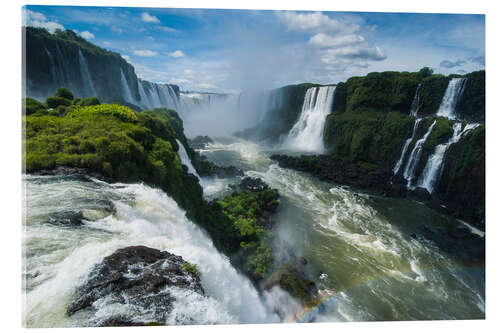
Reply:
x=235, y=50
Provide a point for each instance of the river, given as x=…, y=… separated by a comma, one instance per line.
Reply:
x=359, y=248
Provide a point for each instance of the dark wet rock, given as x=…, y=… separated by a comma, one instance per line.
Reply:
x=253, y=184
x=200, y=142
x=139, y=276
x=76, y=173
x=209, y=169
x=363, y=176
x=66, y=218
x=421, y=194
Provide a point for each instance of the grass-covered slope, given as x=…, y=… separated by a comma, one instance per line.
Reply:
x=116, y=142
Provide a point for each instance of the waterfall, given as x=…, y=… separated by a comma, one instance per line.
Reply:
x=183, y=155
x=127, y=94
x=414, y=158
x=145, y=98
x=450, y=98
x=433, y=168
x=52, y=66
x=307, y=133
x=87, y=79
x=415, y=105
x=407, y=144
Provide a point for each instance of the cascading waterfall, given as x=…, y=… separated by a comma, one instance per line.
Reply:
x=183, y=155
x=405, y=147
x=157, y=95
x=414, y=158
x=127, y=94
x=415, y=105
x=87, y=78
x=52, y=65
x=450, y=98
x=433, y=168
x=307, y=133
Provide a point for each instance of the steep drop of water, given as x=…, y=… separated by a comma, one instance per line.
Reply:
x=414, y=158
x=87, y=78
x=57, y=258
x=405, y=147
x=450, y=98
x=415, y=105
x=307, y=133
x=183, y=155
x=127, y=94
x=433, y=168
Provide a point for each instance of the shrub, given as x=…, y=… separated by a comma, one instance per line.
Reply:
x=54, y=101
x=89, y=101
x=64, y=93
x=31, y=106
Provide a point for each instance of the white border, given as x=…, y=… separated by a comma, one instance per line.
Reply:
x=10, y=297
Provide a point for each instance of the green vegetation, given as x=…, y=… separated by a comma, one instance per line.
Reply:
x=31, y=106
x=471, y=106
x=54, y=101
x=116, y=142
x=191, y=268
x=373, y=137
x=64, y=93
x=239, y=223
x=441, y=132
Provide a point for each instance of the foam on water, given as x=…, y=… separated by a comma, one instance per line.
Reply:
x=149, y=218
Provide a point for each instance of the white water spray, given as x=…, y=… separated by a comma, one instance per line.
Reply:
x=405, y=147
x=127, y=94
x=414, y=158
x=433, y=168
x=450, y=98
x=307, y=133
x=58, y=259
x=87, y=78
x=183, y=155
x=415, y=105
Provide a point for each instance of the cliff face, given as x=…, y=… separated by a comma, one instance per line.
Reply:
x=372, y=120
x=64, y=59
x=283, y=107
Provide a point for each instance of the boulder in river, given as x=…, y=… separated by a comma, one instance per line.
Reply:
x=138, y=276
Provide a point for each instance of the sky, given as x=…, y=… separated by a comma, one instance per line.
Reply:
x=235, y=50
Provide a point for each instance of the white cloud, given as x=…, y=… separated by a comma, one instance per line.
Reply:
x=324, y=40
x=145, y=53
x=315, y=22
x=168, y=29
x=35, y=19
x=177, y=54
x=146, y=17
x=87, y=34
x=126, y=57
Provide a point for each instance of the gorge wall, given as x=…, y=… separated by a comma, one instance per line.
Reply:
x=64, y=59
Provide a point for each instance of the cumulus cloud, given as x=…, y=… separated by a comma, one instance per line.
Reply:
x=451, y=64
x=126, y=57
x=146, y=17
x=177, y=54
x=145, y=53
x=327, y=41
x=35, y=19
x=480, y=60
x=314, y=22
x=87, y=34
x=335, y=44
